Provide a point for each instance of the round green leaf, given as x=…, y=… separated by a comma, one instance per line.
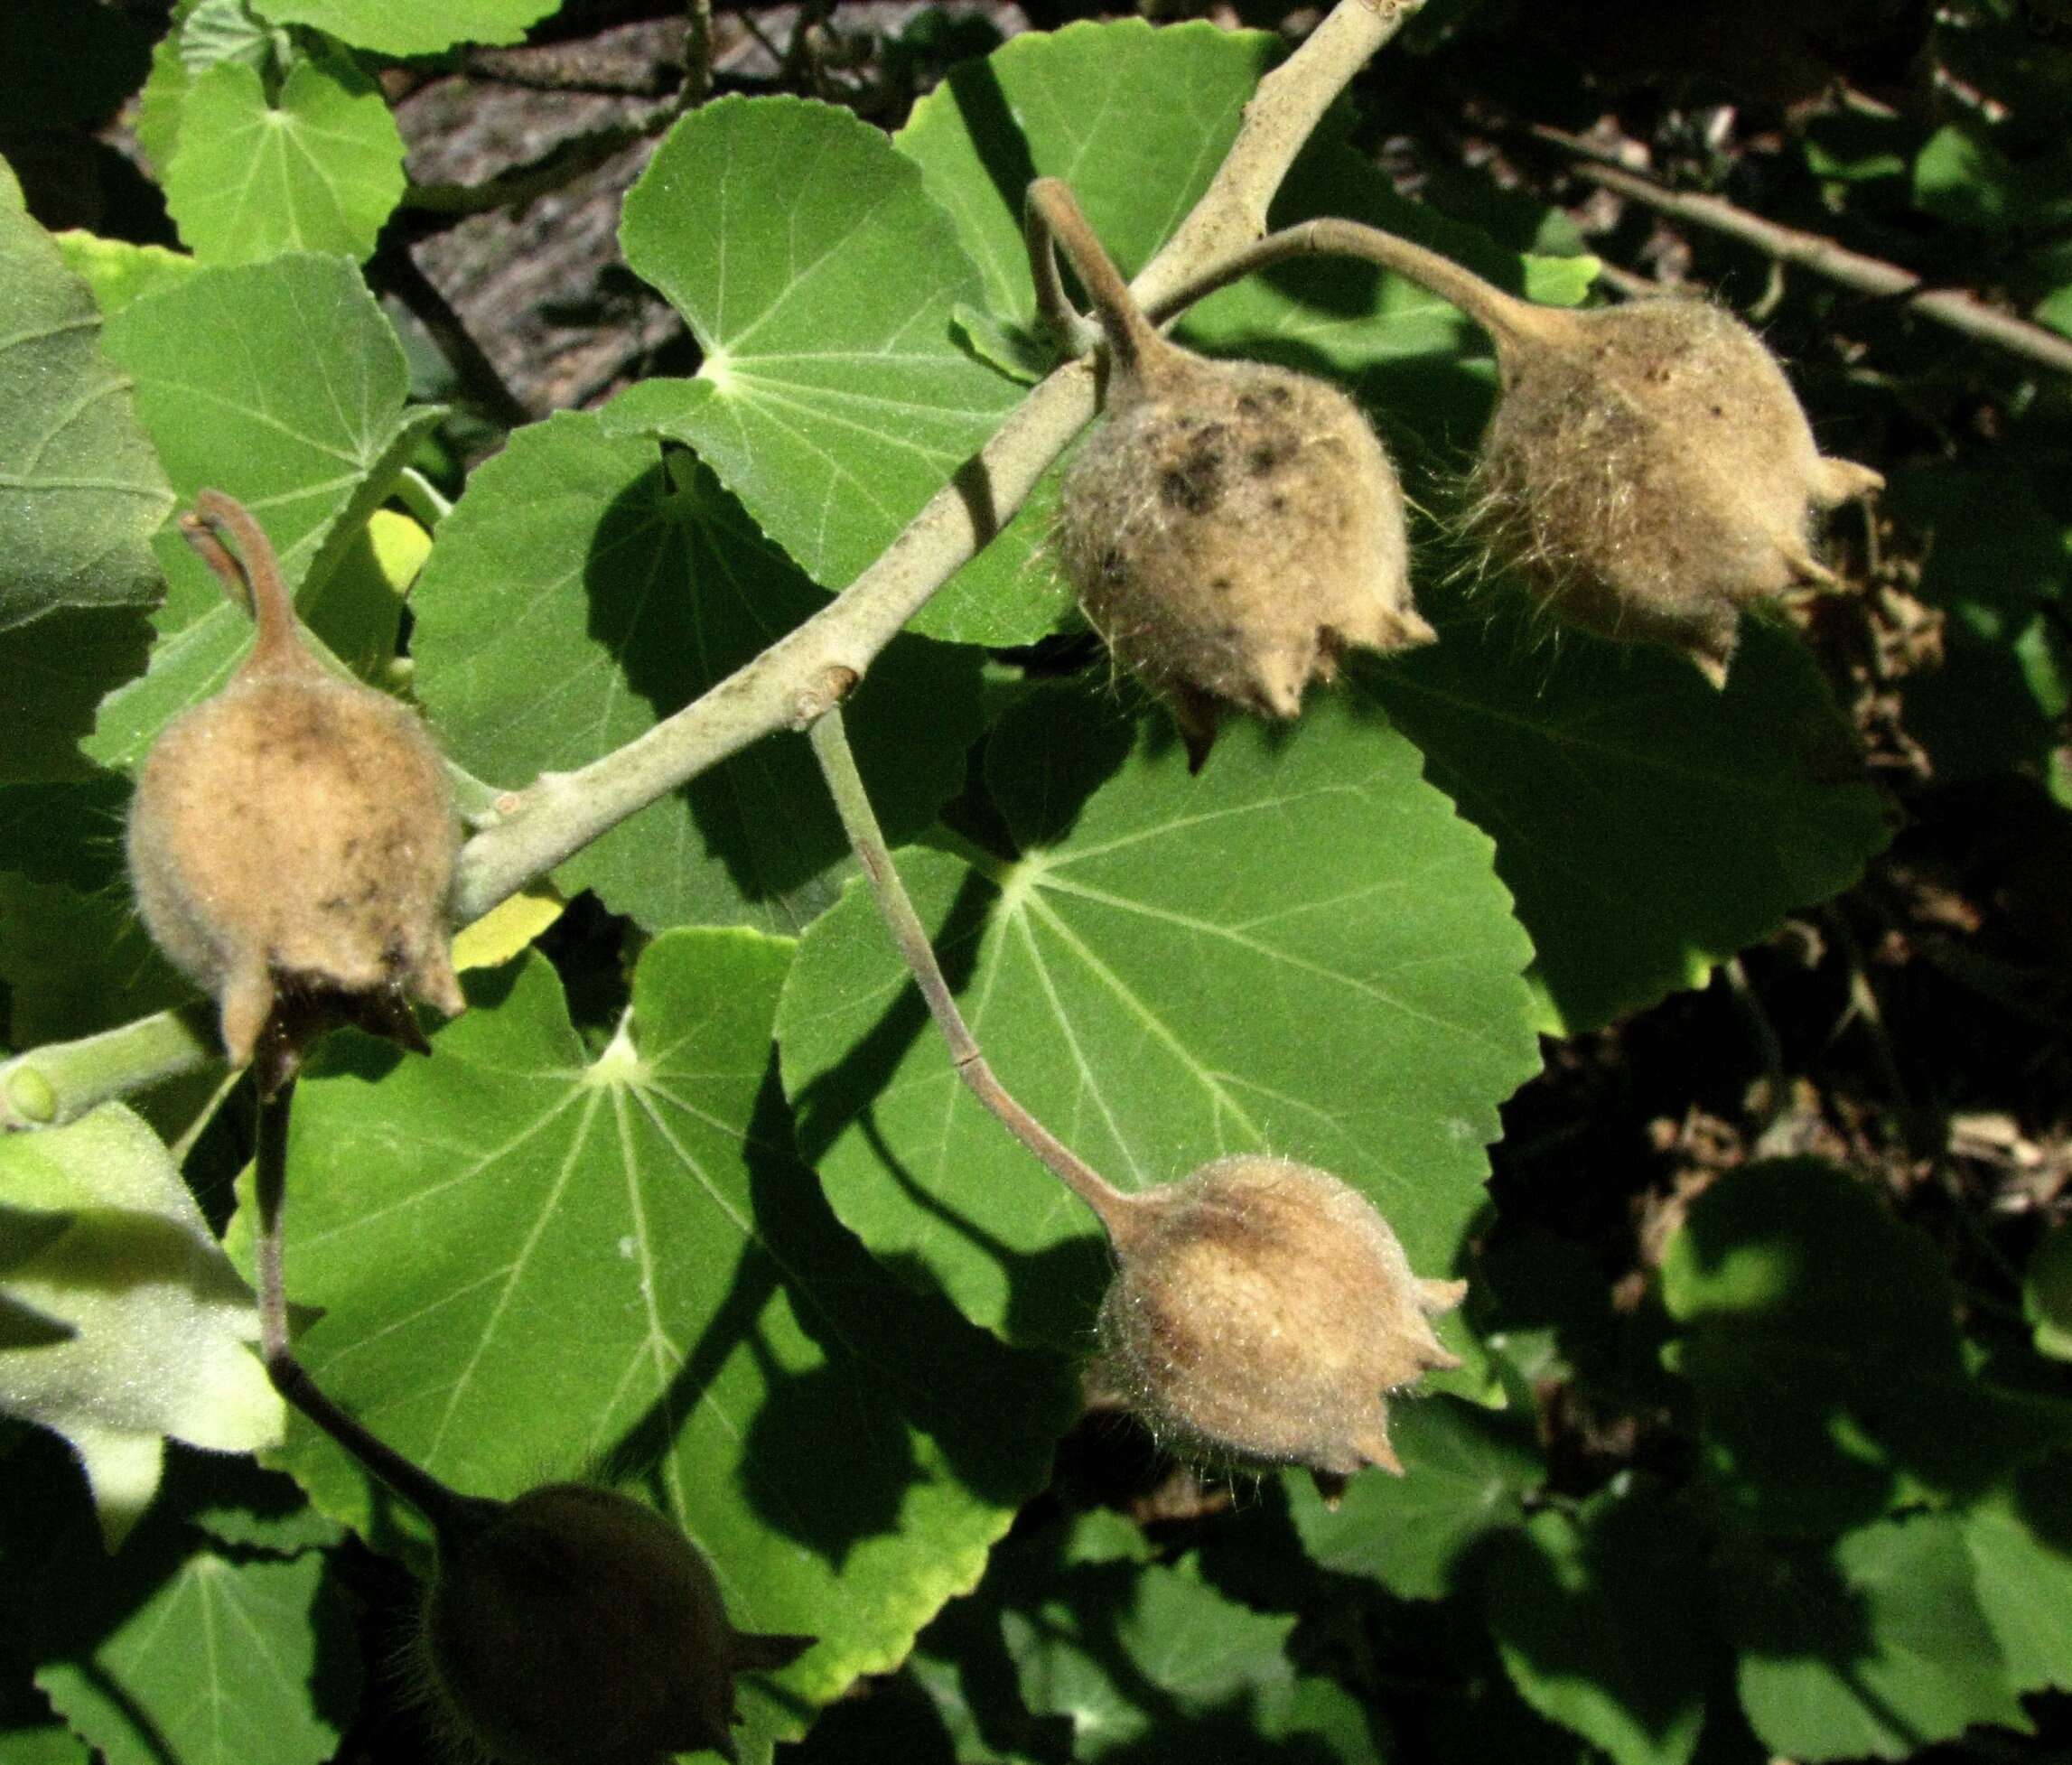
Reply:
x=1302, y=950
x=1072, y=104
x=1466, y=1472
x=282, y=383
x=318, y=170
x=159, y=1321
x=1601, y=1625
x=820, y=280
x=533, y=1261
x=585, y=588
x=217, y=1663
x=2019, y=1537
x=1649, y=825
x=1875, y=1646
x=1819, y=1333
x=411, y=27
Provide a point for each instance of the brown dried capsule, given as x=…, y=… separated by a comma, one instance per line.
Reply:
x=1650, y=472
x=576, y=1626
x=1262, y=1310
x=1231, y=529
x=295, y=834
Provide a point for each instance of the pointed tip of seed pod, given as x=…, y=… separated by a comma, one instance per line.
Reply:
x=1837, y=482
x=434, y=982
x=1435, y=1297
x=1806, y=569
x=1279, y=677
x=1411, y=628
x=1372, y=1444
x=1712, y=665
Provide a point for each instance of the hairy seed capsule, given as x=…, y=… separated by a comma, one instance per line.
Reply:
x=1650, y=472
x=296, y=832
x=1232, y=529
x=1262, y=1310
x=576, y=1626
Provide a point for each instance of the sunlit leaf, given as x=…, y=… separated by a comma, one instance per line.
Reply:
x=534, y=1259
x=161, y=1319
x=1874, y=1646
x=282, y=383
x=833, y=399
x=318, y=168
x=1301, y=951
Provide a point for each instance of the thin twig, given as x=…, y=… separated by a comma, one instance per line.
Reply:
x=697, y=53
x=444, y=1506
x=830, y=741
x=1953, y=307
x=1053, y=219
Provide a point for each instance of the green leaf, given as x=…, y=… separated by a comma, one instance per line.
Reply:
x=1466, y=1470
x=1819, y=1333
x=1150, y=1662
x=282, y=383
x=2046, y=1293
x=117, y=271
x=159, y=104
x=821, y=283
x=318, y=169
x=2001, y=583
x=410, y=27
x=53, y=1743
x=530, y=1256
x=585, y=588
x=1873, y=1646
x=1600, y=1625
x=2020, y=1536
x=1647, y=826
x=1077, y=1646
x=75, y=963
x=80, y=492
x=216, y=1665
x=1071, y=103
x=217, y=31
x=160, y=1316
x=1302, y=951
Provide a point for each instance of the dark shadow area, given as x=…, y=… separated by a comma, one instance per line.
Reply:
x=893, y=1360
x=66, y=1595
x=57, y=669
x=992, y=1411
x=975, y=88
x=1628, y=1611
x=1052, y=751
x=1827, y=1358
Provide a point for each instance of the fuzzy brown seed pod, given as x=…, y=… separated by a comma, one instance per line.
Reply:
x=1650, y=472
x=576, y=1626
x=1262, y=1310
x=295, y=834
x=1231, y=529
